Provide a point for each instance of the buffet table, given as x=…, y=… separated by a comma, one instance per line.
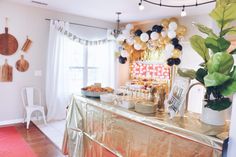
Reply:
x=98, y=129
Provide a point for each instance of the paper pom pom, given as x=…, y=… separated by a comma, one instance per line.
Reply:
x=138, y=32
x=154, y=35
x=144, y=37
x=129, y=26
x=179, y=47
x=171, y=34
x=173, y=26
x=137, y=46
x=124, y=54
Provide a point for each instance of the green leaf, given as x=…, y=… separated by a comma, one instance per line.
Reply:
x=221, y=62
x=198, y=44
x=224, y=2
x=229, y=88
x=217, y=45
x=233, y=74
x=223, y=44
x=187, y=73
x=230, y=30
x=212, y=44
x=224, y=13
x=215, y=79
x=200, y=74
x=205, y=29
x=218, y=104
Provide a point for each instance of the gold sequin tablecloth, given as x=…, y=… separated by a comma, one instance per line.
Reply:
x=97, y=129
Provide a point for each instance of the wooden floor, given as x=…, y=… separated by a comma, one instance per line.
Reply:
x=39, y=143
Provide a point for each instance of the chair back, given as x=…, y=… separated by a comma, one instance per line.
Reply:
x=28, y=96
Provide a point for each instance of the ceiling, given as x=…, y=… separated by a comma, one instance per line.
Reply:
x=105, y=9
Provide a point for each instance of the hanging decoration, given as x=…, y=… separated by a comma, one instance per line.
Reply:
x=175, y=4
x=161, y=41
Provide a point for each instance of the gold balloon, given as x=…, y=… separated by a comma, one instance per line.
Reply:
x=166, y=40
x=137, y=40
x=165, y=23
x=162, y=47
x=161, y=40
x=144, y=46
x=127, y=47
x=174, y=19
x=176, y=53
x=181, y=31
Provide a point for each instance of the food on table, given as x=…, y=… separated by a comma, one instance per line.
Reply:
x=98, y=89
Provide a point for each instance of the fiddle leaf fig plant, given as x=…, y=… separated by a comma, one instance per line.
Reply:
x=217, y=72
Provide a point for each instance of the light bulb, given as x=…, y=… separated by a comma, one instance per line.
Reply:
x=183, y=12
x=141, y=7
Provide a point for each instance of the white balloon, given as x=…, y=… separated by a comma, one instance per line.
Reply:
x=130, y=41
x=137, y=46
x=144, y=37
x=129, y=26
x=163, y=34
x=124, y=53
x=126, y=33
x=171, y=34
x=120, y=38
x=173, y=26
x=169, y=48
x=154, y=35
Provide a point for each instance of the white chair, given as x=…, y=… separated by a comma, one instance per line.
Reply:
x=29, y=95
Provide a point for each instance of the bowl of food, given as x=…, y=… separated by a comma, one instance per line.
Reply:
x=95, y=91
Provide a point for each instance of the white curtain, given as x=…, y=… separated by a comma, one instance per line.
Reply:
x=57, y=72
x=107, y=73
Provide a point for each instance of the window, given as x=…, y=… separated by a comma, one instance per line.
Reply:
x=88, y=65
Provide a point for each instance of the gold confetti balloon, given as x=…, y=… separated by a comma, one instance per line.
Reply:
x=174, y=19
x=181, y=31
x=176, y=53
x=165, y=23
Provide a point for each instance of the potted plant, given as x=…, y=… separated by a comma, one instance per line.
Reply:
x=217, y=73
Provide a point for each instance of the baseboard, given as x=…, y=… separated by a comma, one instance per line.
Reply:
x=14, y=121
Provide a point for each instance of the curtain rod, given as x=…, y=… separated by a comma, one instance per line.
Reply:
x=84, y=25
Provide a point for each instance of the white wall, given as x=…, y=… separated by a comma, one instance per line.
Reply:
x=25, y=20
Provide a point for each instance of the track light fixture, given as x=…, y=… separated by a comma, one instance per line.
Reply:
x=183, y=12
x=183, y=6
x=140, y=5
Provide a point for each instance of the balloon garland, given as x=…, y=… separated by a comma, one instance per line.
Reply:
x=164, y=37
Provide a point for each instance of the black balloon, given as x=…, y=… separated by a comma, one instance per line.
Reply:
x=179, y=47
x=157, y=28
x=149, y=32
x=122, y=60
x=177, y=61
x=170, y=61
x=175, y=41
x=138, y=32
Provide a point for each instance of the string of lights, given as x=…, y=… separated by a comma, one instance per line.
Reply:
x=183, y=6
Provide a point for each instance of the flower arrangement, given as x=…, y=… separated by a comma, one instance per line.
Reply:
x=217, y=73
